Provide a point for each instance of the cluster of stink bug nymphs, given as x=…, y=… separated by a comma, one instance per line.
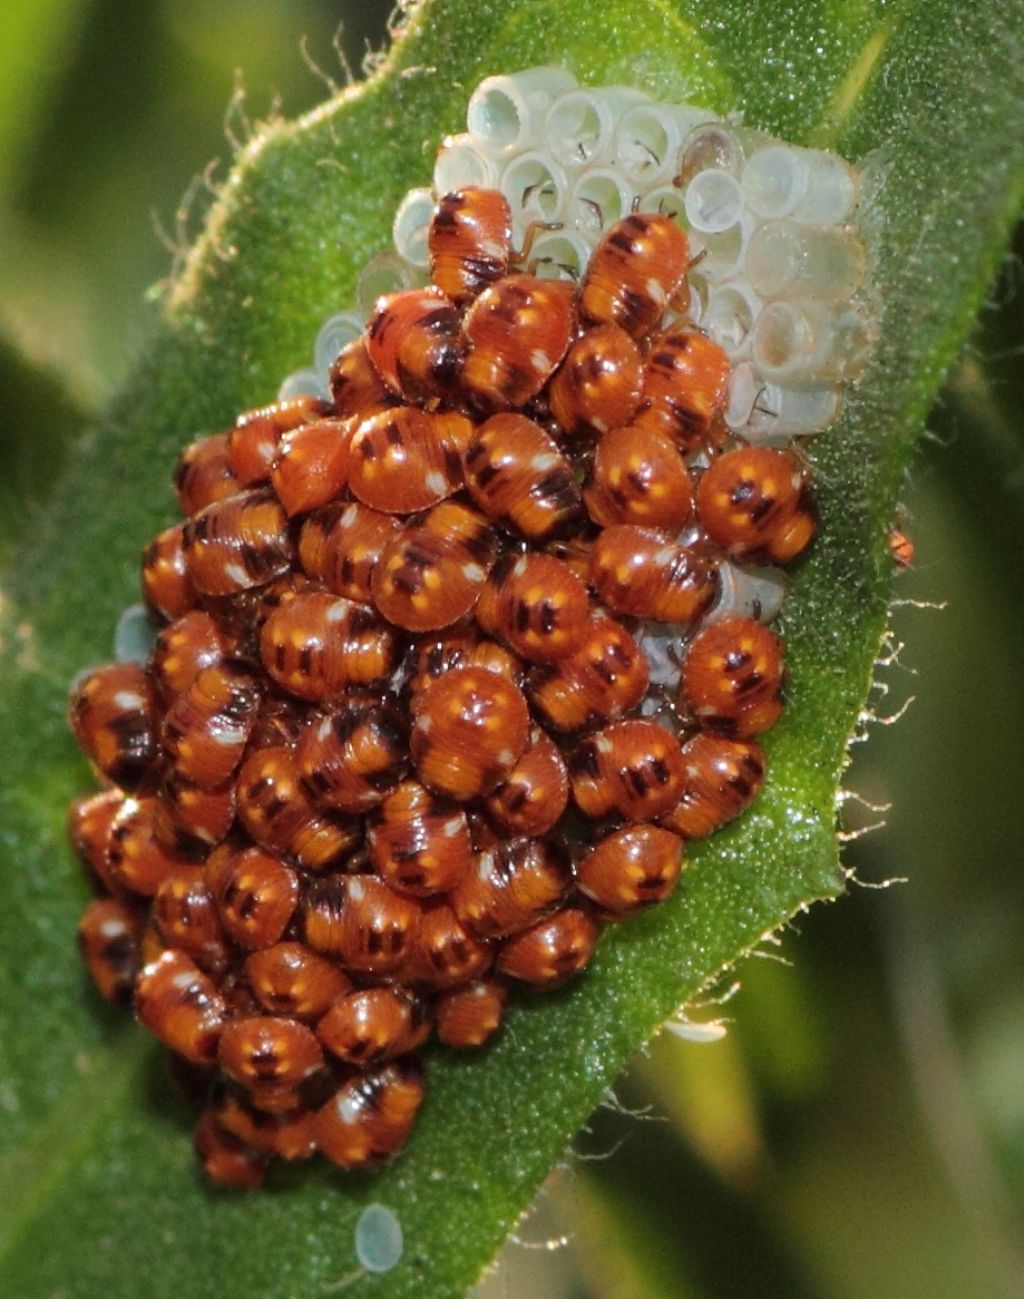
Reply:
x=452, y=657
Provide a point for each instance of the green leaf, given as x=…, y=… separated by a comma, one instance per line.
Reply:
x=98, y=1193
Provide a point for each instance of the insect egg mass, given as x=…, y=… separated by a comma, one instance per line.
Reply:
x=463, y=638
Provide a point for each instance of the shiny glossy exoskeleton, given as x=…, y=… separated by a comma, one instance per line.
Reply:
x=597, y=387
x=203, y=474
x=468, y=1016
x=352, y=757
x=317, y=644
x=137, y=858
x=636, y=571
x=287, y=1134
x=280, y=721
x=732, y=677
x=341, y=544
x=181, y=1006
x=291, y=979
x=518, y=476
x=399, y=463
x=540, y=609
x=633, y=769
x=166, y=586
x=312, y=464
x=419, y=842
x=574, y=551
x=190, y=820
x=267, y=1049
x=370, y=1025
x=755, y=503
x=455, y=431
x=633, y=273
x=277, y=810
x=446, y=953
x=686, y=383
x=459, y=647
x=515, y=334
x=431, y=574
x=355, y=383
x=639, y=477
x=237, y=543
x=469, y=242
x=255, y=895
x=631, y=868
x=413, y=339
x=550, y=951
x=253, y=442
x=187, y=919
x=205, y=730
x=602, y=680
x=512, y=885
x=370, y=1117
x=182, y=649
x=470, y=729
x=534, y=793
x=152, y=946
x=90, y=821
x=723, y=776
x=113, y=715
x=361, y=922
x=241, y=616
x=226, y=1160
x=108, y=938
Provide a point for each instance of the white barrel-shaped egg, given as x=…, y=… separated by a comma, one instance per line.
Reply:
x=303, y=383
x=460, y=163
x=713, y=201
x=729, y=316
x=537, y=190
x=559, y=255
x=663, y=645
x=385, y=272
x=725, y=253
x=335, y=333
x=506, y=113
x=786, y=259
x=668, y=200
x=649, y=139
x=580, y=127
x=135, y=634
x=599, y=197
x=764, y=412
x=748, y=593
x=711, y=145
x=793, y=412
x=411, y=225
x=802, y=343
x=808, y=185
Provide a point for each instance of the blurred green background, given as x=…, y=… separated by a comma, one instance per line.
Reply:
x=859, y=1131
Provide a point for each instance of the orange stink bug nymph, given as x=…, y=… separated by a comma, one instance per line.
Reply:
x=732, y=677
x=634, y=272
x=414, y=343
x=515, y=334
x=470, y=242
x=597, y=387
x=469, y=731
